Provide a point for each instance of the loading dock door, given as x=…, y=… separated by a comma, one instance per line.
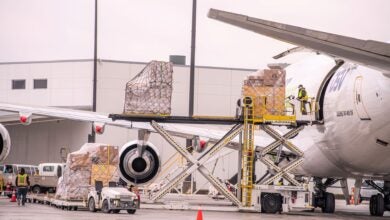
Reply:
x=358, y=99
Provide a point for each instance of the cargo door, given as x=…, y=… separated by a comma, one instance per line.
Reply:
x=358, y=100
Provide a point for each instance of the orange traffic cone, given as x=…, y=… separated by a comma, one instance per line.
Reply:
x=13, y=198
x=199, y=216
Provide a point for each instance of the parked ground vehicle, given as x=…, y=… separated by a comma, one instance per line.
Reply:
x=112, y=199
x=51, y=169
x=47, y=179
x=10, y=171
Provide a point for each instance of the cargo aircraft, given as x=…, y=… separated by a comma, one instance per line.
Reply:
x=348, y=78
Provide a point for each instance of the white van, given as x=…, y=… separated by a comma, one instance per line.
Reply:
x=10, y=171
x=51, y=169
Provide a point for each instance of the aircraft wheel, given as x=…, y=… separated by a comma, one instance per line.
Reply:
x=271, y=202
x=105, y=207
x=377, y=205
x=91, y=205
x=329, y=203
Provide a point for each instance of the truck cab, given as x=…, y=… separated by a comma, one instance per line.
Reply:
x=112, y=199
x=51, y=169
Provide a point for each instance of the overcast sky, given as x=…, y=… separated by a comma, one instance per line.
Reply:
x=143, y=30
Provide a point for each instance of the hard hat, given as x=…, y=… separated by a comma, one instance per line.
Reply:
x=300, y=86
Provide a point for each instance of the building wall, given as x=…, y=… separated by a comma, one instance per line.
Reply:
x=69, y=83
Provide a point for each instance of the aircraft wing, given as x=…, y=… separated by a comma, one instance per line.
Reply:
x=178, y=130
x=367, y=52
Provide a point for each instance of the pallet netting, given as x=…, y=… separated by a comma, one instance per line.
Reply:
x=150, y=91
x=92, y=162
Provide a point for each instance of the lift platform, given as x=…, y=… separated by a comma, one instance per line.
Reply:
x=251, y=195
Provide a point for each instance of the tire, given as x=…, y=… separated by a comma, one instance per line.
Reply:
x=116, y=211
x=377, y=205
x=131, y=211
x=329, y=203
x=105, y=207
x=271, y=202
x=91, y=205
x=36, y=189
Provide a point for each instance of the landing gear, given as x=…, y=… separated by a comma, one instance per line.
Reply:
x=377, y=205
x=321, y=198
x=329, y=203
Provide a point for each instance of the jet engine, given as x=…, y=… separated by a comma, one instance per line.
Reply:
x=5, y=143
x=139, y=162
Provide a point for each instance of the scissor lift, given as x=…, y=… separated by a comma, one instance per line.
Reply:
x=251, y=195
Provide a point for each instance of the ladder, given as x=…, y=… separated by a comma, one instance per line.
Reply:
x=247, y=152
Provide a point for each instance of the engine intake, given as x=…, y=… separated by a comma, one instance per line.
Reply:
x=138, y=169
x=5, y=143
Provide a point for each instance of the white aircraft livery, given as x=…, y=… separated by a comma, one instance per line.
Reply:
x=349, y=80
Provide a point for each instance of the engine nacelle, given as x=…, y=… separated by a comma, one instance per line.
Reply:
x=138, y=169
x=5, y=143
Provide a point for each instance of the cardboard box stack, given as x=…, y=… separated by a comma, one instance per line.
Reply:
x=92, y=162
x=150, y=91
x=267, y=88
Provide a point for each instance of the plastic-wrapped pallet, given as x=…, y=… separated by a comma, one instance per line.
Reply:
x=150, y=91
x=267, y=88
x=86, y=165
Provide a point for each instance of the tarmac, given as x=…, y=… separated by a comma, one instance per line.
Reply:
x=32, y=211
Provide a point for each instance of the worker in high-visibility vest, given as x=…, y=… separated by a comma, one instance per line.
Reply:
x=1, y=182
x=303, y=97
x=22, y=182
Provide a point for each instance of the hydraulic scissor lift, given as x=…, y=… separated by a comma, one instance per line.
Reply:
x=245, y=126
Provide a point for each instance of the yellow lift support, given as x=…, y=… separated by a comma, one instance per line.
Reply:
x=248, y=148
x=247, y=152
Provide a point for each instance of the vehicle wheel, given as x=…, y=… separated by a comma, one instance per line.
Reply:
x=34, y=200
x=271, y=202
x=116, y=211
x=329, y=203
x=75, y=208
x=91, y=205
x=131, y=211
x=105, y=208
x=9, y=195
x=377, y=205
x=36, y=189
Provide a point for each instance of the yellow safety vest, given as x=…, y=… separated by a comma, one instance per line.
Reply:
x=22, y=180
x=302, y=95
